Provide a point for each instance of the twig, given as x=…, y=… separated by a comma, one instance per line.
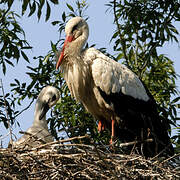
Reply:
x=24, y=108
x=101, y=158
x=62, y=141
x=161, y=151
x=9, y=124
x=134, y=142
x=175, y=155
x=7, y=176
x=73, y=164
x=80, y=145
x=30, y=136
x=2, y=137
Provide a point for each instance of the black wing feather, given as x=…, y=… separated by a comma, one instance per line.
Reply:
x=139, y=120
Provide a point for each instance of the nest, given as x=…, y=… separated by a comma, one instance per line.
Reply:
x=57, y=160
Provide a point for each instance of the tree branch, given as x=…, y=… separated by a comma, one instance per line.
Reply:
x=25, y=108
x=9, y=124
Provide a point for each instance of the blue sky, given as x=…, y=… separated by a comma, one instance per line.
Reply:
x=39, y=34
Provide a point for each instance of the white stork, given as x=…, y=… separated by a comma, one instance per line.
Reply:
x=38, y=133
x=111, y=92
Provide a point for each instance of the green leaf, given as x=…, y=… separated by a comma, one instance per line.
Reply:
x=23, y=85
x=120, y=56
x=17, y=82
x=40, y=9
x=70, y=7
x=24, y=6
x=42, y=3
x=10, y=2
x=31, y=85
x=12, y=84
x=55, y=22
x=9, y=62
x=26, y=47
x=53, y=46
x=16, y=52
x=175, y=100
x=54, y=1
x=7, y=95
x=46, y=58
x=72, y=15
x=177, y=106
x=64, y=16
x=24, y=56
x=32, y=69
x=48, y=11
x=32, y=9
x=4, y=68
x=174, y=30
x=131, y=54
x=39, y=13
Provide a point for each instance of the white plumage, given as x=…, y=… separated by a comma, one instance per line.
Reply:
x=111, y=92
x=38, y=133
x=113, y=77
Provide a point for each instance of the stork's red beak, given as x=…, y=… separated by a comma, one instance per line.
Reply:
x=60, y=60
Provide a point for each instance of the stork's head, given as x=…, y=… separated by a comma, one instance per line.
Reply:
x=77, y=32
x=47, y=98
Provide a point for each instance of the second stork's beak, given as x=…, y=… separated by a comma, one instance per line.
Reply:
x=60, y=60
x=44, y=111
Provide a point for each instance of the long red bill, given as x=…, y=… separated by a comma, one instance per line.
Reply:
x=60, y=60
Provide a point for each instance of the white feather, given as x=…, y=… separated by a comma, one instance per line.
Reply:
x=113, y=77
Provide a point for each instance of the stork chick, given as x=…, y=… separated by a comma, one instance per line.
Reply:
x=38, y=133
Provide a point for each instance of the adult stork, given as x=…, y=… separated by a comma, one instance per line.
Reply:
x=38, y=133
x=111, y=92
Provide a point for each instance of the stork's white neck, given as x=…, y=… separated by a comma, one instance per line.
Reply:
x=37, y=122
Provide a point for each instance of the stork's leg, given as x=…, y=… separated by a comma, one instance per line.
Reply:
x=112, y=131
x=101, y=126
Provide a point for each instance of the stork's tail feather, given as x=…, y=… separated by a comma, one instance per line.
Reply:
x=140, y=120
x=147, y=127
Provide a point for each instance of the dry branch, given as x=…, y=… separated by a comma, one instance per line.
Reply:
x=80, y=161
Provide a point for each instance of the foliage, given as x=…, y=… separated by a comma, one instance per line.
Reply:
x=12, y=39
x=136, y=41
x=33, y=6
x=7, y=104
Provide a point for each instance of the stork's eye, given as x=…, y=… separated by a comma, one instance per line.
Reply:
x=54, y=98
x=74, y=28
